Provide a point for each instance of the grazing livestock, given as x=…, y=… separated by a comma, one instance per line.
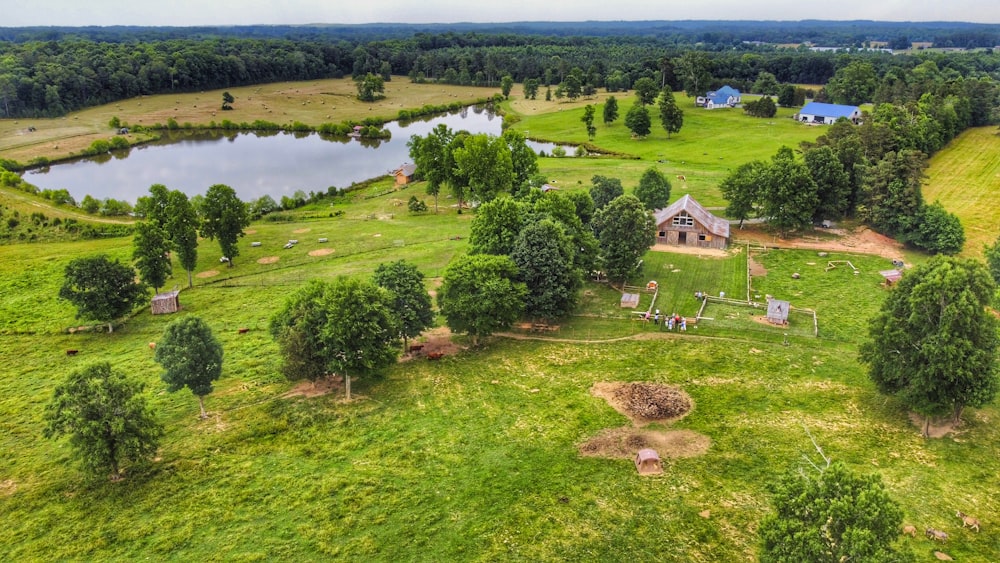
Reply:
x=936, y=535
x=681, y=178
x=910, y=531
x=72, y=352
x=152, y=345
x=968, y=521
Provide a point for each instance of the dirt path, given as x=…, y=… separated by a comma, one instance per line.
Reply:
x=860, y=240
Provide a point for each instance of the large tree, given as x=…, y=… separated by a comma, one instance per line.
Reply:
x=225, y=217
x=653, y=189
x=933, y=343
x=484, y=161
x=637, y=120
x=671, y=116
x=480, y=295
x=853, y=84
x=432, y=156
x=182, y=229
x=106, y=418
x=370, y=87
x=891, y=192
x=693, y=70
x=742, y=188
x=834, y=516
x=610, y=112
x=938, y=231
x=101, y=289
x=833, y=183
x=191, y=357
x=344, y=327
x=151, y=252
x=411, y=303
x=523, y=159
x=788, y=198
x=604, y=190
x=544, y=256
x=645, y=90
x=992, y=254
x=496, y=226
x=588, y=120
x=625, y=230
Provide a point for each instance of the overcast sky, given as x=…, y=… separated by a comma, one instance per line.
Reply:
x=18, y=13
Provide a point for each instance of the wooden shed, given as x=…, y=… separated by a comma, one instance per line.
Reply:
x=777, y=311
x=404, y=174
x=647, y=462
x=168, y=302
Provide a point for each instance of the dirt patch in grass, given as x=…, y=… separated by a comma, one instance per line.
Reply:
x=433, y=343
x=757, y=269
x=207, y=274
x=680, y=249
x=300, y=231
x=623, y=443
x=321, y=252
x=937, y=429
x=7, y=487
x=644, y=403
x=268, y=260
x=308, y=389
x=250, y=231
x=861, y=240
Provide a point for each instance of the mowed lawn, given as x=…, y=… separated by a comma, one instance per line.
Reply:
x=965, y=178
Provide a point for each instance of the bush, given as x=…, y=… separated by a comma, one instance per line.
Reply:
x=416, y=205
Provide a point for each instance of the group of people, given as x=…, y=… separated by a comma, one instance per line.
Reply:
x=670, y=321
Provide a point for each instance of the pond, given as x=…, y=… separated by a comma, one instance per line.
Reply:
x=253, y=164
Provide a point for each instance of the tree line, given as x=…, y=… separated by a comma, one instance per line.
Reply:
x=45, y=78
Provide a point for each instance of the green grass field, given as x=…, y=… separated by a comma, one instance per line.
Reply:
x=474, y=457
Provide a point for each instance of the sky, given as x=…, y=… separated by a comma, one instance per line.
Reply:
x=17, y=13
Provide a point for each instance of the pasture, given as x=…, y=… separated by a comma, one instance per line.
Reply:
x=476, y=457
x=963, y=176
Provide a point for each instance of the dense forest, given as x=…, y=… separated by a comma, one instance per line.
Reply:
x=51, y=71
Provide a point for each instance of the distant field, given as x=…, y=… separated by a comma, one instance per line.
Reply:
x=312, y=102
x=710, y=144
x=965, y=177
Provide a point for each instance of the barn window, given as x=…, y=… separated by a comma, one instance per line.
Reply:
x=702, y=237
x=682, y=219
x=662, y=234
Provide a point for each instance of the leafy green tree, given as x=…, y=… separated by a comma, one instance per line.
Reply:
x=671, y=116
x=853, y=84
x=693, y=69
x=645, y=90
x=544, y=257
x=762, y=107
x=625, y=230
x=933, y=343
x=572, y=86
x=154, y=206
x=101, y=290
x=90, y=205
x=833, y=183
x=345, y=327
x=637, y=120
x=574, y=211
x=191, y=357
x=992, y=255
x=766, y=84
x=432, y=156
x=262, y=206
x=531, y=88
x=523, y=158
x=496, y=226
x=411, y=303
x=788, y=195
x=588, y=120
x=506, y=83
x=891, y=194
x=835, y=516
x=227, y=101
x=371, y=87
x=604, y=190
x=653, y=189
x=151, y=252
x=938, y=231
x=486, y=164
x=480, y=295
x=742, y=188
x=106, y=418
x=225, y=217
x=182, y=229
x=416, y=205
x=610, y=110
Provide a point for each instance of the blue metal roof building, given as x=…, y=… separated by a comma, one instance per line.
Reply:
x=827, y=114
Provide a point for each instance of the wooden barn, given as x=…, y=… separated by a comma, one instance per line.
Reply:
x=168, y=302
x=686, y=223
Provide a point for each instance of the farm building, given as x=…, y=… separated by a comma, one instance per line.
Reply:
x=685, y=222
x=168, y=302
x=725, y=97
x=404, y=174
x=827, y=114
x=777, y=311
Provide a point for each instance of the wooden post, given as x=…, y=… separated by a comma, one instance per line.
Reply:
x=347, y=383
